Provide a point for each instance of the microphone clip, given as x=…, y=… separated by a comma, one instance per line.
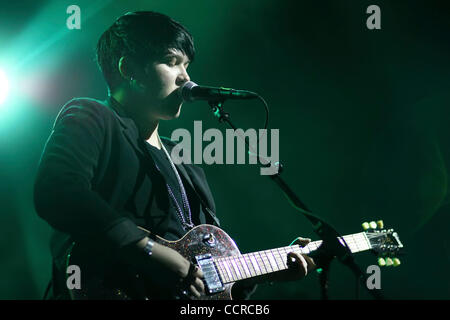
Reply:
x=219, y=112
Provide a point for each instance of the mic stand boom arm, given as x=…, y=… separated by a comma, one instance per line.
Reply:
x=331, y=247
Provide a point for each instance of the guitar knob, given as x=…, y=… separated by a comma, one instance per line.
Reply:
x=381, y=262
x=380, y=224
x=373, y=225
x=209, y=239
x=365, y=226
x=396, y=262
x=389, y=262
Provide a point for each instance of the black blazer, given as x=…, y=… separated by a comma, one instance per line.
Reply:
x=96, y=182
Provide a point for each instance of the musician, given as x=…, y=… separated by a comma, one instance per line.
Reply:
x=105, y=171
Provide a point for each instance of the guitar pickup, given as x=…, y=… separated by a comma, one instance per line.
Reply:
x=211, y=276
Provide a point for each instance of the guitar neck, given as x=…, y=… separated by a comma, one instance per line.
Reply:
x=250, y=265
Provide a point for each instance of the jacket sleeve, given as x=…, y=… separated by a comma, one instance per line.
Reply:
x=63, y=194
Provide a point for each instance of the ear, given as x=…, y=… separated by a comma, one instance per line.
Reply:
x=124, y=68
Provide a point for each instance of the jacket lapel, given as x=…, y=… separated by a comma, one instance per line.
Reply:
x=193, y=175
x=182, y=170
x=129, y=128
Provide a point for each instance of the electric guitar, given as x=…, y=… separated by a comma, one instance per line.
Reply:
x=222, y=264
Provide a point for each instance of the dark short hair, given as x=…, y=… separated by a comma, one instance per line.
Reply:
x=141, y=36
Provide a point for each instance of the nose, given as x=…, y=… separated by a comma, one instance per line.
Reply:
x=183, y=77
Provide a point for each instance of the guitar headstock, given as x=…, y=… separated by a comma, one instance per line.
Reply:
x=385, y=242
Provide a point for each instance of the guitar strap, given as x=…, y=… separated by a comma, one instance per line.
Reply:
x=185, y=175
x=206, y=207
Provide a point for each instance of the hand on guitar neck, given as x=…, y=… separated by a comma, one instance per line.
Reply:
x=298, y=267
x=299, y=264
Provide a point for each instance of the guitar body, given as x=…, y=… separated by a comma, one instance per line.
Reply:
x=201, y=244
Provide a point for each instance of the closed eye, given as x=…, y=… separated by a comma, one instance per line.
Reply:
x=175, y=59
x=171, y=61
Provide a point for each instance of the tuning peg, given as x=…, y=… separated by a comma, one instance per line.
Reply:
x=396, y=262
x=365, y=225
x=380, y=224
x=381, y=262
x=389, y=262
x=373, y=225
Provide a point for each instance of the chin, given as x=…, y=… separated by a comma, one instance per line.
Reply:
x=177, y=114
x=174, y=115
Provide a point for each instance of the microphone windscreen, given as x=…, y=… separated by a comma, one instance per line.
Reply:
x=185, y=90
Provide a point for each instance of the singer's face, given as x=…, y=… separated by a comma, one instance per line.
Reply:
x=162, y=80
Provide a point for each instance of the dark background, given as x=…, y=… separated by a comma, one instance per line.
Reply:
x=362, y=116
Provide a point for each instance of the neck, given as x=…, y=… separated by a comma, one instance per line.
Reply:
x=148, y=127
x=256, y=264
x=153, y=139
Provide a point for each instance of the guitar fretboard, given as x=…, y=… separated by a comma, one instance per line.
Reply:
x=249, y=265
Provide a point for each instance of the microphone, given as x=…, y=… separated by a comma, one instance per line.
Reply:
x=190, y=91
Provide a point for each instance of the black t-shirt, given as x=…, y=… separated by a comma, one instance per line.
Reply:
x=175, y=229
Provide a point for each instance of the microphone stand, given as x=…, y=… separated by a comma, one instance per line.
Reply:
x=331, y=246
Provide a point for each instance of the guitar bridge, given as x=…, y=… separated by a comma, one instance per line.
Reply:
x=212, y=279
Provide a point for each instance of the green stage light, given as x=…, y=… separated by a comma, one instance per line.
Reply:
x=4, y=86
